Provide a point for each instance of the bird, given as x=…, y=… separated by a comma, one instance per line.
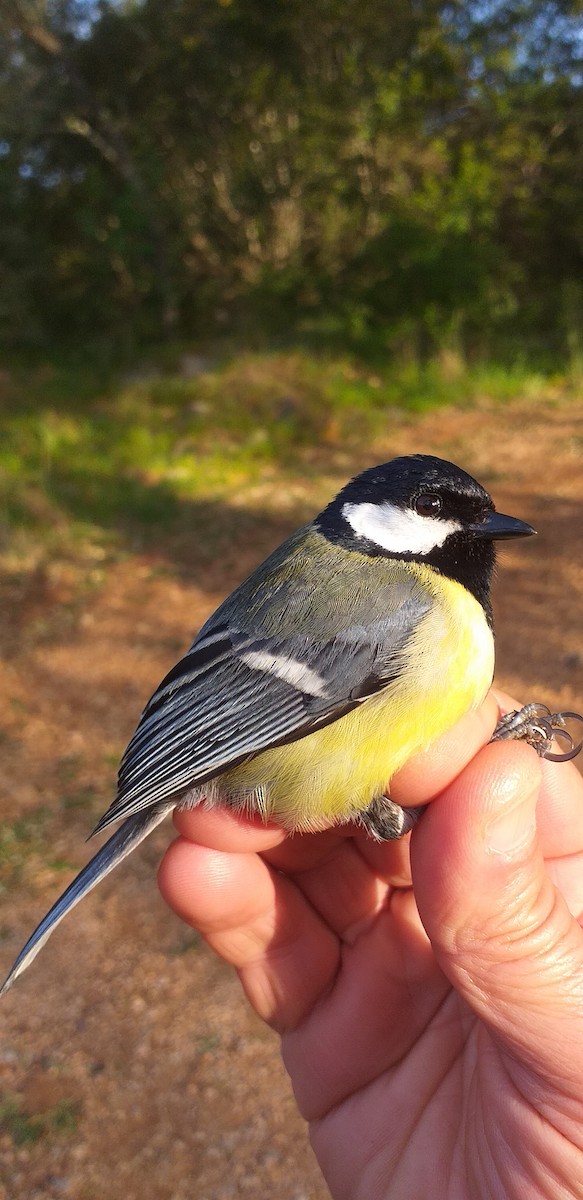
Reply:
x=357, y=643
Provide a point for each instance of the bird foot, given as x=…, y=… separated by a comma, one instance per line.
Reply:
x=384, y=821
x=541, y=729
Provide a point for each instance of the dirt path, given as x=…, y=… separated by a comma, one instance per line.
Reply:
x=130, y=1066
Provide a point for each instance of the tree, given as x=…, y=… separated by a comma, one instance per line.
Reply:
x=170, y=166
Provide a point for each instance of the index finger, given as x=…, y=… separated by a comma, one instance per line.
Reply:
x=427, y=774
x=560, y=807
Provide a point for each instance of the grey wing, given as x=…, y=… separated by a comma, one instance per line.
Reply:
x=233, y=695
x=228, y=698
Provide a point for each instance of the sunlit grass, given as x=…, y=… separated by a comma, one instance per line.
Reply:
x=84, y=458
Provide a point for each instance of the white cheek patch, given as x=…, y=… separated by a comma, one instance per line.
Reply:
x=398, y=530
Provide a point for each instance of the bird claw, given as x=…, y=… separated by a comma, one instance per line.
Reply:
x=540, y=728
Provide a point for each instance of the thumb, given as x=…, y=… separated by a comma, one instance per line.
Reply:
x=500, y=930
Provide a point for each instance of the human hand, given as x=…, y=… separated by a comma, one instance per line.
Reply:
x=434, y=1033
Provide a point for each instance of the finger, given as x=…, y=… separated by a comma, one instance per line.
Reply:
x=560, y=813
x=560, y=810
x=385, y=995
x=390, y=861
x=499, y=928
x=256, y=920
x=223, y=829
x=325, y=866
x=337, y=880
x=428, y=773
x=567, y=875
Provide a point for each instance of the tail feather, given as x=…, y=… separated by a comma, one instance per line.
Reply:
x=124, y=840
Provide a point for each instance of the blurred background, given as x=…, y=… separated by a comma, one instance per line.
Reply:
x=247, y=249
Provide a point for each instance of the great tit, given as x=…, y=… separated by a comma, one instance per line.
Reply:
x=358, y=642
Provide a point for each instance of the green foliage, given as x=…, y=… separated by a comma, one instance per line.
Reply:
x=407, y=170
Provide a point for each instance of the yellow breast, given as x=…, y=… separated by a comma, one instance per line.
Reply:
x=330, y=775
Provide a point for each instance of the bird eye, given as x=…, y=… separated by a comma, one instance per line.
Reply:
x=428, y=505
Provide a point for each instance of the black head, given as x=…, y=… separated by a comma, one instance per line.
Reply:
x=424, y=509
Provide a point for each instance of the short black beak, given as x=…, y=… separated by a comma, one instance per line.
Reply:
x=498, y=526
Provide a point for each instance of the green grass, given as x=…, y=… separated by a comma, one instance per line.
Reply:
x=18, y=842
x=26, y=1129
x=114, y=461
